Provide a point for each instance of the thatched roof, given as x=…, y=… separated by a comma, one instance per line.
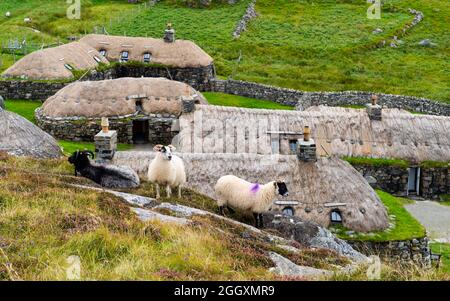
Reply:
x=20, y=137
x=117, y=97
x=50, y=63
x=338, y=131
x=318, y=187
x=181, y=53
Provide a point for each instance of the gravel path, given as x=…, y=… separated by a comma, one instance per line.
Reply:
x=435, y=218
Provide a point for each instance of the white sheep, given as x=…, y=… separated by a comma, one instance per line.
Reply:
x=238, y=193
x=27, y=20
x=167, y=169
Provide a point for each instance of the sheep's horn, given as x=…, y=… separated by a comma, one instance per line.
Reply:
x=89, y=153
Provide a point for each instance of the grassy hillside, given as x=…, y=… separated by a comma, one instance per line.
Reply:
x=316, y=45
x=404, y=225
x=302, y=44
x=42, y=225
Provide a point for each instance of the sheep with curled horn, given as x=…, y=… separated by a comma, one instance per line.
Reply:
x=110, y=176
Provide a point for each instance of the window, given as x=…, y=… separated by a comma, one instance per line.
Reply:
x=124, y=56
x=97, y=59
x=289, y=211
x=336, y=216
x=147, y=57
x=103, y=52
x=293, y=146
x=68, y=67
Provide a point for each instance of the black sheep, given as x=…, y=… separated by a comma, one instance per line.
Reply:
x=110, y=176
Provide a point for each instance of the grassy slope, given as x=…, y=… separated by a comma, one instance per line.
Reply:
x=221, y=99
x=405, y=226
x=26, y=109
x=300, y=44
x=41, y=225
x=315, y=46
x=444, y=249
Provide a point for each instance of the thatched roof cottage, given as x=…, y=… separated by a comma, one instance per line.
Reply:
x=55, y=63
x=140, y=109
x=180, y=53
x=321, y=191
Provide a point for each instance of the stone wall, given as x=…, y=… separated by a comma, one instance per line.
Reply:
x=250, y=14
x=434, y=182
x=394, y=179
x=197, y=77
x=84, y=129
x=416, y=250
x=303, y=100
x=17, y=89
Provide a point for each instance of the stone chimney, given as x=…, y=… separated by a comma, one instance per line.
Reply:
x=105, y=143
x=169, y=34
x=374, y=109
x=306, y=149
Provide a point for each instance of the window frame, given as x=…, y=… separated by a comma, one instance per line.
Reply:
x=103, y=52
x=332, y=217
x=147, y=60
x=127, y=58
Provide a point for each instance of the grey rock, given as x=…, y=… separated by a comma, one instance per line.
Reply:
x=310, y=234
x=377, y=31
x=285, y=267
x=427, y=43
x=146, y=215
x=2, y=102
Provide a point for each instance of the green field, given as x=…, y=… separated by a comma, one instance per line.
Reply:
x=308, y=45
x=222, y=99
x=444, y=250
x=26, y=109
x=405, y=225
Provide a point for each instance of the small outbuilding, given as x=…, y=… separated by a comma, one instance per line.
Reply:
x=142, y=110
x=20, y=137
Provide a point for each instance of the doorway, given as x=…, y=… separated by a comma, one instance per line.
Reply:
x=413, y=180
x=140, y=131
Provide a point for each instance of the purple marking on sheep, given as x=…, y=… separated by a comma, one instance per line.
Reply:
x=255, y=187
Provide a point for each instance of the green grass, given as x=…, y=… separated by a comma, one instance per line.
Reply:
x=301, y=44
x=310, y=45
x=71, y=146
x=444, y=199
x=42, y=225
x=24, y=108
x=376, y=161
x=221, y=99
x=405, y=225
x=435, y=164
x=444, y=249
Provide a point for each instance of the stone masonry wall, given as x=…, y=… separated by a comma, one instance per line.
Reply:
x=394, y=179
x=84, y=129
x=416, y=250
x=199, y=78
x=16, y=89
x=303, y=100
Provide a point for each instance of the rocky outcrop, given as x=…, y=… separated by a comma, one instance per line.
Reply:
x=20, y=137
x=309, y=234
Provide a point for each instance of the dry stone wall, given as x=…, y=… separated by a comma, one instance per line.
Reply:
x=394, y=179
x=303, y=100
x=84, y=129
